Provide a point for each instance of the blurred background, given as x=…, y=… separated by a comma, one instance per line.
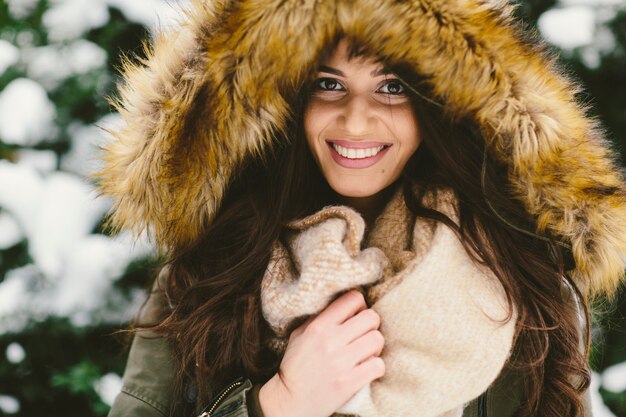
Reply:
x=66, y=286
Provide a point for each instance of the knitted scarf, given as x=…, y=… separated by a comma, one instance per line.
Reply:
x=442, y=313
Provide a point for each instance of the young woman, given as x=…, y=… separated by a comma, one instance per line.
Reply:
x=374, y=208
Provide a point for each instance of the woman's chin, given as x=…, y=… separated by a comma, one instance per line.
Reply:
x=361, y=188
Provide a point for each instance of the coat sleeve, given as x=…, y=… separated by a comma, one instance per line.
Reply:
x=149, y=376
x=446, y=337
x=146, y=390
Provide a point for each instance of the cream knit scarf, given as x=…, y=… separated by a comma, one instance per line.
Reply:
x=439, y=309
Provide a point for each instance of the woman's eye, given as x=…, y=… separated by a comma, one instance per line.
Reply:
x=326, y=84
x=394, y=88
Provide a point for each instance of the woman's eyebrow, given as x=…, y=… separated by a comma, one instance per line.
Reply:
x=375, y=73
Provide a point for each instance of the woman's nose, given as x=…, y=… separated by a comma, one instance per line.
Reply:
x=356, y=117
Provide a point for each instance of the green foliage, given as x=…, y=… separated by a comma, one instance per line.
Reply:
x=62, y=363
x=615, y=401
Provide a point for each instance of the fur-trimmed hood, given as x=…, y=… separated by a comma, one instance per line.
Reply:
x=219, y=87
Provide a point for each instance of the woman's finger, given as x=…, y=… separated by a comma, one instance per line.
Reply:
x=363, y=322
x=343, y=308
x=370, y=344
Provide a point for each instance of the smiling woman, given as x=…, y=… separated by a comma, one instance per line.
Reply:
x=373, y=208
x=360, y=126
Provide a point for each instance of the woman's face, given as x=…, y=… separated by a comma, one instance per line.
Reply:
x=359, y=124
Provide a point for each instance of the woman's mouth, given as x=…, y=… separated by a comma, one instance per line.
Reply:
x=357, y=155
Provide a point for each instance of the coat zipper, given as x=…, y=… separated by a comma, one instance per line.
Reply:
x=208, y=410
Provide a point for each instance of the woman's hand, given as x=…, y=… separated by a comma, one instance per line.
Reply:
x=329, y=358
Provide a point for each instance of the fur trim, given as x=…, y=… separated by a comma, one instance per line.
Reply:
x=218, y=89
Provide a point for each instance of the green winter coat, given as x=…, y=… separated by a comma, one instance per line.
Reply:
x=148, y=378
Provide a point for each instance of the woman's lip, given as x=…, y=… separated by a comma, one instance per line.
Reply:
x=357, y=145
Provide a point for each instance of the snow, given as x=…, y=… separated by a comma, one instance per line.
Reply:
x=20, y=201
x=46, y=65
x=108, y=387
x=150, y=13
x=26, y=113
x=614, y=378
x=53, y=211
x=597, y=404
x=67, y=211
x=568, y=27
x=581, y=25
x=19, y=9
x=73, y=270
x=83, y=157
x=14, y=289
x=9, y=405
x=52, y=64
x=25, y=38
x=70, y=19
x=10, y=232
x=84, y=56
x=43, y=161
x=592, y=3
x=9, y=55
x=15, y=353
x=92, y=264
x=84, y=292
x=26, y=295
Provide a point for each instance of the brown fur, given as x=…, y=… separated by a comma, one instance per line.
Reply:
x=218, y=88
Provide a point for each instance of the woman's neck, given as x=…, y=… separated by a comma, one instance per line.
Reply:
x=371, y=206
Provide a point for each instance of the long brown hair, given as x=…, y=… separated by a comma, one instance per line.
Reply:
x=215, y=324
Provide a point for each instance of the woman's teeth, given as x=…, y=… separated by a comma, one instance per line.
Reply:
x=357, y=153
